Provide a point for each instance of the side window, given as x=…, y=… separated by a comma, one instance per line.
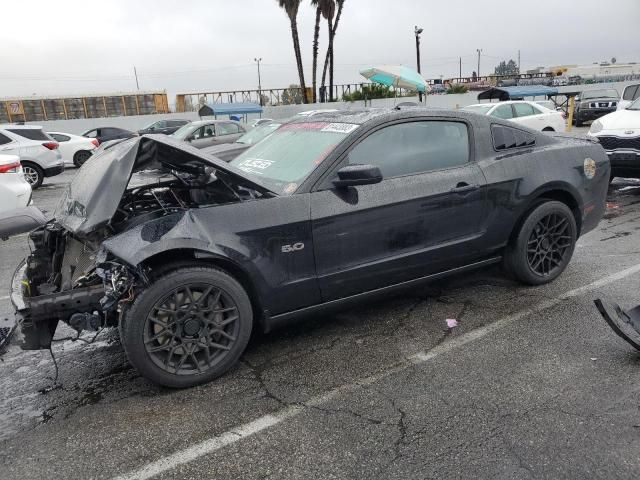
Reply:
x=505, y=138
x=414, y=147
x=59, y=137
x=538, y=111
x=631, y=92
x=208, y=131
x=226, y=128
x=503, y=111
x=523, y=109
x=91, y=134
x=4, y=139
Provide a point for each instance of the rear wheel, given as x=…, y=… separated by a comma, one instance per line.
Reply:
x=80, y=157
x=544, y=244
x=188, y=327
x=33, y=174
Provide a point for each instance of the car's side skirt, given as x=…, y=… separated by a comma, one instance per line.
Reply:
x=276, y=321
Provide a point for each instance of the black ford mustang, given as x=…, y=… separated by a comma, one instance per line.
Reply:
x=187, y=254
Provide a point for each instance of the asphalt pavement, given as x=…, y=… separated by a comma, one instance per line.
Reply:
x=530, y=384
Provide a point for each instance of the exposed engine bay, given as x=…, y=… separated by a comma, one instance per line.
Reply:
x=71, y=276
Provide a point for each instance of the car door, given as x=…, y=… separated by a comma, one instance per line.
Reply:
x=204, y=136
x=227, y=132
x=526, y=115
x=424, y=217
x=65, y=147
x=504, y=111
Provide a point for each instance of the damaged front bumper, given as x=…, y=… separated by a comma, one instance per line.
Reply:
x=83, y=308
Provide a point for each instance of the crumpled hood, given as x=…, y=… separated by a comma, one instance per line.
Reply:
x=93, y=196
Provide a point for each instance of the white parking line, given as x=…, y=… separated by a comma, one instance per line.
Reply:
x=216, y=443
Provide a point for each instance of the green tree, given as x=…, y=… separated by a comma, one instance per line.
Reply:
x=291, y=8
x=323, y=9
x=506, y=68
x=369, y=92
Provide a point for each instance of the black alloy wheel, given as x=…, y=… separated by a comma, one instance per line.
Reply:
x=543, y=245
x=188, y=327
x=191, y=329
x=548, y=244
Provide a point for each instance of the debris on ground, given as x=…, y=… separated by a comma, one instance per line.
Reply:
x=451, y=323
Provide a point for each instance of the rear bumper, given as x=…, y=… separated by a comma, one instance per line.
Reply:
x=53, y=171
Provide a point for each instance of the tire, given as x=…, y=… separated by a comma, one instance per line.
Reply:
x=577, y=121
x=164, y=338
x=33, y=174
x=543, y=245
x=80, y=157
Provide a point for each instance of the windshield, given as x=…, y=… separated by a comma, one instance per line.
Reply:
x=286, y=157
x=151, y=125
x=183, y=132
x=480, y=109
x=608, y=93
x=258, y=133
x=635, y=105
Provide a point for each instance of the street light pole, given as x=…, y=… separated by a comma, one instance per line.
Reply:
x=479, y=50
x=258, y=60
x=417, y=32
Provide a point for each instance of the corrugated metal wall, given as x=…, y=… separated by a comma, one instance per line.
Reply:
x=67, y=108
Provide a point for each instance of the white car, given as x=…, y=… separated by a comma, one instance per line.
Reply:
x=619, y=134
x=74, y=149
x=629, y=94
x=523, y=112
x=38, y=152
x=15, y=191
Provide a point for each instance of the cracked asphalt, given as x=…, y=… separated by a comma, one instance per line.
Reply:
x=551, y=394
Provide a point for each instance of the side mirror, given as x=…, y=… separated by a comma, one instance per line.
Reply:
x=352, y=175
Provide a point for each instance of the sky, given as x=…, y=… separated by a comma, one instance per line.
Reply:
x=74, y=47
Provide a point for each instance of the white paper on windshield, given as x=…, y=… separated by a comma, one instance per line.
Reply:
x=340, y=128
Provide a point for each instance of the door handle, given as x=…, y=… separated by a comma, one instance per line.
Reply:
x=464, y=187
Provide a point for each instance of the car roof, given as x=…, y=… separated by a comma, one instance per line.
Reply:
x=362, y=116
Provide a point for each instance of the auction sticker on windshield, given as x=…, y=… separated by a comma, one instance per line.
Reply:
x=340, y=128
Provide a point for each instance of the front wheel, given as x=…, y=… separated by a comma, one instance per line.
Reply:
x=544, y=244
x=187, y=328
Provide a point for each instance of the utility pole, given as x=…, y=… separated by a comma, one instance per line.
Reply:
x=417, y=31
x=135, y=73
x=519, y=71
x=258, y=60
x=479, y=50
x=460, y=74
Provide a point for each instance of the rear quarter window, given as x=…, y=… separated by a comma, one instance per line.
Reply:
x=507, y=138
x=30, y=133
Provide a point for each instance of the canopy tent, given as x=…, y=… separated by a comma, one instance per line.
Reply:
x=215, y=109
x=517, y=93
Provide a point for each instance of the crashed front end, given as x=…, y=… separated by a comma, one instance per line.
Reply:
x=65, y=279
x=70, y=274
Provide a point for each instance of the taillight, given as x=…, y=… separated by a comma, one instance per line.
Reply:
x=564, y=115
x=50, y=145
x=10, y=167
x=95, y=141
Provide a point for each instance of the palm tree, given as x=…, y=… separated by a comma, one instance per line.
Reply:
x=291, y=8
x=328, y=61
x=323, y=9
